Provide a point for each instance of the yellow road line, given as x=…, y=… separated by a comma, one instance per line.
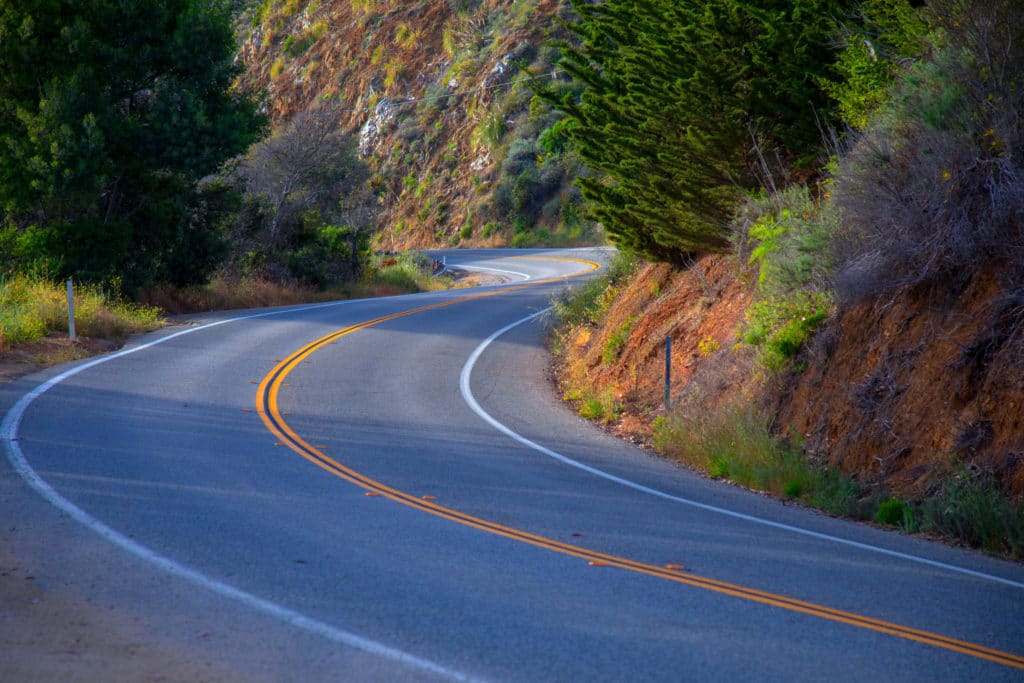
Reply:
x=270, y=414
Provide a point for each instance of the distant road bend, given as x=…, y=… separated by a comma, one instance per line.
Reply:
x=388, y=489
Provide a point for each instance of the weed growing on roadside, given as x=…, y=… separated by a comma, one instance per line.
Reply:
x=736, y=443
x=603, y=407
x=895, y=512
x=969, y=507
x=30, y=309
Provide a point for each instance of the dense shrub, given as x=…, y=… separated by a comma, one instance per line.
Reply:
x=306, y=205
x=788, y=234
x=110, y=115
x=934, y=186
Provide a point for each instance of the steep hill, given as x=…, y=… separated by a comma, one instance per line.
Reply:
x=435, y=93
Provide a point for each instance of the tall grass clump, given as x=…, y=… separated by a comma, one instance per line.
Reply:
x=32, y=308
x=970, y=508
x=735, y=442
x=602, y=406
x=412, y=271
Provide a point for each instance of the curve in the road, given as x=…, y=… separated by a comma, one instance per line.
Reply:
x=11, y=422
x=9, y=435
x=467, y=394
x=270, y=413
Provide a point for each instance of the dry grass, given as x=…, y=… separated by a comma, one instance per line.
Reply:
x=31, y=309
x=230, y=293
x=234, y=293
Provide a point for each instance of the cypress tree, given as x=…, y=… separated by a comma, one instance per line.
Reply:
x=682, y=102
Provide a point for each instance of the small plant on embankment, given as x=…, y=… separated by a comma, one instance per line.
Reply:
x=576, y=312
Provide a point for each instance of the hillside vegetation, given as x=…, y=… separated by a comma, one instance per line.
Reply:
x=860, y=343
x=436, y=99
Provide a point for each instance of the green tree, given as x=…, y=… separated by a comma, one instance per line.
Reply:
x=688, y=104
x=307, y=206
x=110, y=114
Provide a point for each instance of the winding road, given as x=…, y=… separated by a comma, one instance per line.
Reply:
x=388, y=489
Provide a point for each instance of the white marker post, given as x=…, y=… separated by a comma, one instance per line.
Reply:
x=71, y=311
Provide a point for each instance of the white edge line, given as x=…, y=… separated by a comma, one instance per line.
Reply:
x=9, y=434
x=494, y=270
x=467, y=395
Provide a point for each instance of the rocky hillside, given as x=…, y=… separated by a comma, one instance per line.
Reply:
x=461, y=152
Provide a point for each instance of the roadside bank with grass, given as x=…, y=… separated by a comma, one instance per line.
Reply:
x=736, y=417
x=34, y=311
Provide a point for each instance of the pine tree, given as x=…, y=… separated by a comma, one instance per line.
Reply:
x=110, y=113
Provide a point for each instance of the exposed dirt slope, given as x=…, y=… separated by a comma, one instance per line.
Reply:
x=701, y=309
x=896, y=392
x=900, y=391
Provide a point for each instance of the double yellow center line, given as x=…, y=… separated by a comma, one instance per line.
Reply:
x=267, y=402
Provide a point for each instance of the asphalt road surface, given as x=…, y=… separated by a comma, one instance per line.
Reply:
x=389, y=489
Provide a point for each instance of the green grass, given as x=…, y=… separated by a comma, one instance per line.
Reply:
x=895, y=512
x=969, y=507
x=601, y=407
x=31, y=309
x=736, y=443
x=780, y=326
x=588, y=302
x=616, y=342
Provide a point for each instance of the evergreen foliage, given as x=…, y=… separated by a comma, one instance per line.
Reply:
x=878, y=41
x=688, y=104
x=110, y=113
